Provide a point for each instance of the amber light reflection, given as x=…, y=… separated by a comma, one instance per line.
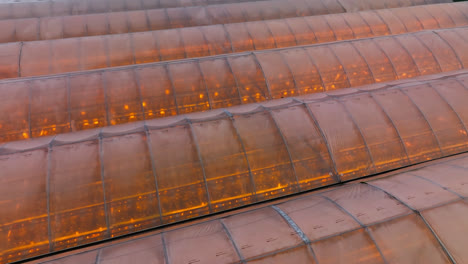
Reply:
x=100, y=183
x=78, y=101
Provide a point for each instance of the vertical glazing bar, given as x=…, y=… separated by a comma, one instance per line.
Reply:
x=360, y=132
x=98, y=257
x=285, y=21
x=172, y=86
x=346, y=22
x=106, y=44
x=137, y=80
x=148, y=23
x=329, y=26
x=178, y=30
x=342, y=65
x=132, y=46
x=444, y=248
x=297, y=229
x=395, y=74
x=101, y=162
x=393, y=124
x=29, y=108
x=417, y=18
x=430, y=14
x=80, y=61
x=271, y=33
x=315, y=65
x=20, y=57
x=425, y=118
x=246, y=25
x=168, y=17
x=292, y=224
x=226, y=33
x=360, y=223
x=228, y=233
x=448, y=44
x=450, y=105
x=233, y=122
x=205, y=39
x=341, y=5
x=210, y=101
x=166, y=255
x=49, y=226
x=107, y=21
x=308, y=26
x=157, y=44
x=285, y=145
x=38, y=28
x=244, y=16
x=200, y=158
x=106, y=103
x=51, y=51
x=447, y=13
x=363, y=59
x=62, y=27
x=86, y=24
x=235, y=79
x=69, y=104
x=427, y=47
x=289, y=69
x=399, y=19
x=264, y=75
x=367, y=24
x=153, y=168
x=385, y=22
x=322, y=134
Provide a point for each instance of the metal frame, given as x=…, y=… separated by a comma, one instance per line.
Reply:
x=418, y=213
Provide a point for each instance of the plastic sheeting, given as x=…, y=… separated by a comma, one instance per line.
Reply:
x=50, y=8
x=79, y=54
x=77, y=188
x=413, y=216
x=73, y=7
x=286, y=32
x=37, y=107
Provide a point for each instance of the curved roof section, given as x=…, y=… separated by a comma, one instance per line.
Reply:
x=51, y=8
x=25, y=59
x=71, y=7
x=83, y=187
x=286, y=31
x=78, y=101
x=414, y=216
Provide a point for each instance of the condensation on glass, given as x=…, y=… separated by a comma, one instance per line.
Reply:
x=35, y=107
x=417, y=216
x=295, y=28
x=77, y=188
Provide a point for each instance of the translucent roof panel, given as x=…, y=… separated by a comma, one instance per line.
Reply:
x=151, y=173
x=297, y=24
x=77, y=7
x=50, y=8
x=94, y=52
x=355, y=223
x=77, y=101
